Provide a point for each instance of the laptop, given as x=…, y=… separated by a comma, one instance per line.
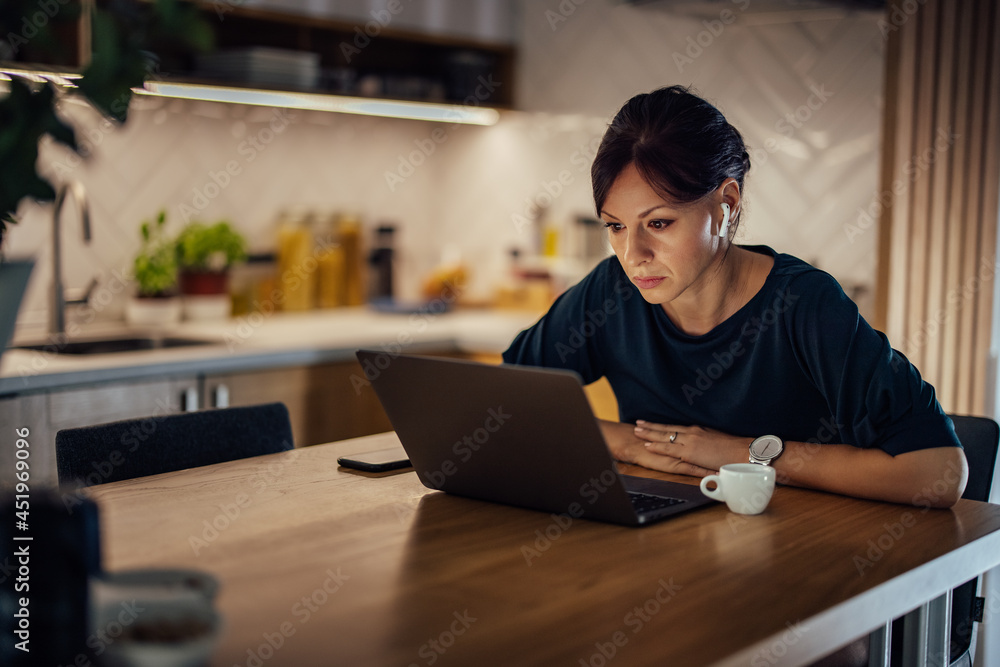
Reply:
x=516, y=435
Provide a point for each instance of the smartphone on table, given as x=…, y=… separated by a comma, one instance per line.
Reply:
x=380, y=460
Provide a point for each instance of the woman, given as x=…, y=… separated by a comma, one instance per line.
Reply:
x=709, y=345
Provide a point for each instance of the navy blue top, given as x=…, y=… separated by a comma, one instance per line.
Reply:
x=797, y=361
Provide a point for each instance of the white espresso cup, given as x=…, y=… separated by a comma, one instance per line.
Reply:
x=745, y=487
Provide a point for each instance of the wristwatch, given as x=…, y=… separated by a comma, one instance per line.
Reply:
x=765, y=449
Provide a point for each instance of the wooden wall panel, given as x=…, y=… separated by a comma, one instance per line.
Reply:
x=958, y=204
x=940, y=174
x=991, y=196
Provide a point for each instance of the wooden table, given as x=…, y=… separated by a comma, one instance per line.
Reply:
x=324, y=566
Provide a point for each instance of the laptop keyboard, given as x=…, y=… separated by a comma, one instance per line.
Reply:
x=643, y=502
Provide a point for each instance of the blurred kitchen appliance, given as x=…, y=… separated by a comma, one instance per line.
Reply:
x=380, y=264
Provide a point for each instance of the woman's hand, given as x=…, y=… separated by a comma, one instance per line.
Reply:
x=703, y=448
x=627, y=446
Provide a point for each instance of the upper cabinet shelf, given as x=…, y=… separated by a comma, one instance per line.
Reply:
x=377, y=55
x=367, y=58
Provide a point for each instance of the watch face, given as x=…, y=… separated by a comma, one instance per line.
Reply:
x=766, y=447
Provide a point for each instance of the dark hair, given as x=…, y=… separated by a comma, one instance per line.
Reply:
x=680, y=144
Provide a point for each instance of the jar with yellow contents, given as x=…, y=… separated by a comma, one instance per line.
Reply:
x=297, y=264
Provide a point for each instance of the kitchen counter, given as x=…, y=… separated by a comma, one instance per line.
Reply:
x=263, y=341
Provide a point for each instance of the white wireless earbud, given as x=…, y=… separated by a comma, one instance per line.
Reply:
x=724, y=225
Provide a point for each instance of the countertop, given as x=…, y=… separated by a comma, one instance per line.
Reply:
x=258, y=341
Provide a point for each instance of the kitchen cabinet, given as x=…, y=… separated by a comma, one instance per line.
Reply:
x=371, y=56
x=111, y=402
x=16, y=414
x=367, y=56
x=45, y=413
x=493, y=21
x=326, y=402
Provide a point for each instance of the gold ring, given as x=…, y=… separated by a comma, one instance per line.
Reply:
x=673, y=437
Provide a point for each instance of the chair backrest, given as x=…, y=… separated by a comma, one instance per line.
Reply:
x=138, y=447
x=980, y=437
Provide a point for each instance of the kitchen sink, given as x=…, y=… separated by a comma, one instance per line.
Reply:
x=112, y=345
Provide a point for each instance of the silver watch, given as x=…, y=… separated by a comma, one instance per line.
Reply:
x=765, y=449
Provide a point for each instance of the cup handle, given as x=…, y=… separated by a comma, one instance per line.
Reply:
x=714, y=494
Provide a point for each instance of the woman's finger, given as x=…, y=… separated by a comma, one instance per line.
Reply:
x=661, y=428
x=664, y=448
x=662, y=433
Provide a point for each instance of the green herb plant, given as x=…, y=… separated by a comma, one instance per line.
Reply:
x=155, y=267
x=202, y=247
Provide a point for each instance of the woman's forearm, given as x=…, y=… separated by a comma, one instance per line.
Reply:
x=933, y=477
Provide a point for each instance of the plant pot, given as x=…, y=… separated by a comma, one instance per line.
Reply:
x=152, y=311
x=14, y=276
x=205, y=294
x=204, y=282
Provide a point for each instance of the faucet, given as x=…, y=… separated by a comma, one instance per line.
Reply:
x=57, y=312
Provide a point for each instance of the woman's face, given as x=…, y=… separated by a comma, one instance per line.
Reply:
x=665, y=249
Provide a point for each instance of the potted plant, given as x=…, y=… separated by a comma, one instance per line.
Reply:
x=204, y=255
x=155, y=273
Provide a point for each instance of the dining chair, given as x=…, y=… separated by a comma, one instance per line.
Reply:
x=163, y=443
x=980, y=438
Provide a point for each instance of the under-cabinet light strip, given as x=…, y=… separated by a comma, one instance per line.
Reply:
x=64, y=79
x=442, y=113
